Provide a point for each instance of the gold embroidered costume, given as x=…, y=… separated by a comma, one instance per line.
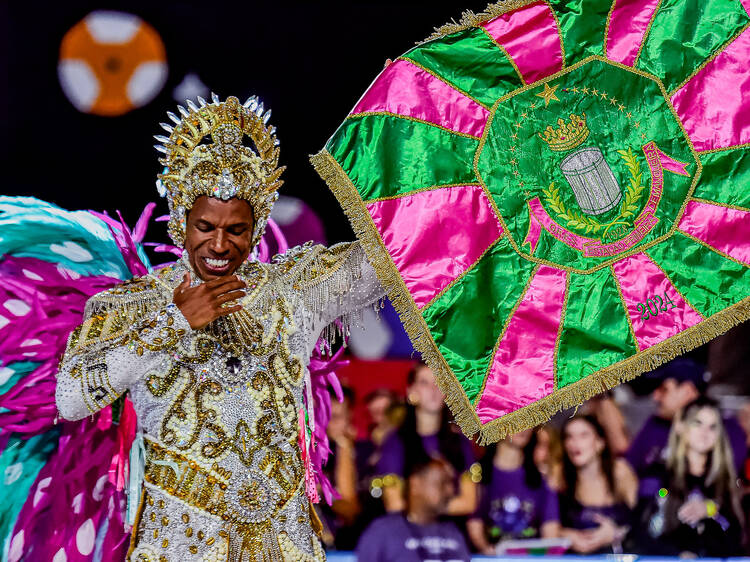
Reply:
x=218, y=407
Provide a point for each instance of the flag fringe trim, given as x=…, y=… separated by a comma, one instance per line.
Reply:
x=605, y=379
x=543, y=409
x=471, y=19
x=415, y=326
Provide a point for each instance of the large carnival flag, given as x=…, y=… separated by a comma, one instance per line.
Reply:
x=557, y=195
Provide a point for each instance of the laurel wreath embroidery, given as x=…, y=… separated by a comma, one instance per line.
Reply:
x=588, y=225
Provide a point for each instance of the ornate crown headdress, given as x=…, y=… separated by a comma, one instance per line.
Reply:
x=223, y=168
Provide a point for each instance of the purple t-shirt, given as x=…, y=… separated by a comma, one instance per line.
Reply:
x=510, y=509
x=393, y=538
x=393, y=456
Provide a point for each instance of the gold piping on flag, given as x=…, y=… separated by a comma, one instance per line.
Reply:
x=542, y=410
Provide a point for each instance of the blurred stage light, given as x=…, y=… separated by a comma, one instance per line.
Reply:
x=111, y=62
x=298, y=221
x=190, y=88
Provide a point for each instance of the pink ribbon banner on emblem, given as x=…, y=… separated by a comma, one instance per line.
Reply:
x=540, y=219
x=658, y=162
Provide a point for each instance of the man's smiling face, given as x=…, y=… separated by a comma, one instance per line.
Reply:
x=218, y=235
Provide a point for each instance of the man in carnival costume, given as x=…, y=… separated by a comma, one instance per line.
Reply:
x=214, y=352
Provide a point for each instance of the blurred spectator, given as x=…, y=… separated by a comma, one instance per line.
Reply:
x=548, y=453
x=682, y=381
x=743, y=416
x=417, y=535
x=382, y=406
x=515, y=502
x=696, y=511
x=608, y=414
x=426, y=433
x=597, y=491
x=379, y=404
x=338, y=519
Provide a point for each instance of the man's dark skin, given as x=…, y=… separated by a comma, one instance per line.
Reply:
x=216, y=231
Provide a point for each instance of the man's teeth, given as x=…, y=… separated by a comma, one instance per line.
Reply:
x=216, y=263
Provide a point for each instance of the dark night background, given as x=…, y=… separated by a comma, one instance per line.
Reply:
x=309, y=63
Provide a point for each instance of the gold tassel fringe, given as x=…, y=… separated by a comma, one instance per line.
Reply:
x=470, y=19
x=378, y=256
x=542, y=410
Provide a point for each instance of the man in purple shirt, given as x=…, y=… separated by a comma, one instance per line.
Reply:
x=682, y=381
x=417, y=535
x=511, y=509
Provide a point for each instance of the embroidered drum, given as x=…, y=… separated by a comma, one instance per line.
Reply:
x=592, y=180
x=561, y=201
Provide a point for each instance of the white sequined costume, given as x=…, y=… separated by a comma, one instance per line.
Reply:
x=218, y=407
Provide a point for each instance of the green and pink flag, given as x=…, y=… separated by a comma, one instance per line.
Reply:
x=557, y=195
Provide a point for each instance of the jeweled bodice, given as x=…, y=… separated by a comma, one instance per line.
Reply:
x=219, y=408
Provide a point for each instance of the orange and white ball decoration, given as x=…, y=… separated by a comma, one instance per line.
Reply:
x=111, y=63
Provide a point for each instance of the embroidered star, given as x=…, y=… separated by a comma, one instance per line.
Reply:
x=585, y=90
x=514, y=136
x=524, y=115
x=514, y=161
x=512, y=148
x=643, y=136
x=527, y=194
x=533, y=106
x=518, y=125
x=637, y=124
x=595, y=92
x=604, y=95
x=628, y=115
x=620, y=107
x=613, y=101
x=521, y=183
x=515, y=173
x=548, y=94
x=575, y=89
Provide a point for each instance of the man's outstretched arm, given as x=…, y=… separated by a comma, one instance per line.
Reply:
x=335, y=282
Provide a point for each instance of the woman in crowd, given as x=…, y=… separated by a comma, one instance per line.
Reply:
x=380, y=403
x=515, y=500
x=597, y=492
x=426, y=433
x=548, y=453
x=338, y=519
x=697, y=510
x=606, y=411
x=385, y=411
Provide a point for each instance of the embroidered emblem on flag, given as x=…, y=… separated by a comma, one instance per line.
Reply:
x=555, y=200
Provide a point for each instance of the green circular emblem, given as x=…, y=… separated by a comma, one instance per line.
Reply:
x=589, y=166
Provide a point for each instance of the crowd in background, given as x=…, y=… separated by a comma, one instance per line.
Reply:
x=417, y=489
